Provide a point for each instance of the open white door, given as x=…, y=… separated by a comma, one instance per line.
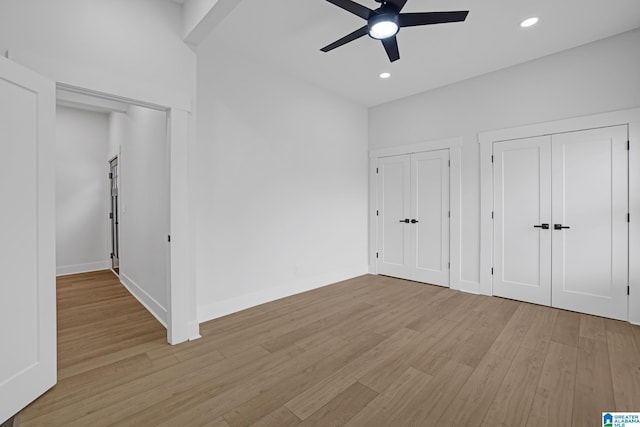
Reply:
x=27, y=252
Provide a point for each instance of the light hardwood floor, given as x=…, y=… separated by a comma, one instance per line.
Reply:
x=371, y=351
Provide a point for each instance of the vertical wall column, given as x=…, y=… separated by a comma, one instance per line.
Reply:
x=182, y=321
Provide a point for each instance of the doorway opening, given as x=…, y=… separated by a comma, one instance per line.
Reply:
x=113, y=194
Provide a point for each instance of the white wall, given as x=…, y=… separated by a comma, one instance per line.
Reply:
x=82, y=191
x=140, y=135
x=282, y=196
x=598, y=77
x=135, y=40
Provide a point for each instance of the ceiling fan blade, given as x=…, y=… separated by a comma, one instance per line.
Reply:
x=428, y=18
x=353, y=7
x=391, y=46
x=348, y=38
x=397, y=3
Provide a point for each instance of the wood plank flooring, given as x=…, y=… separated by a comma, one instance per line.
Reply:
x=370, y=351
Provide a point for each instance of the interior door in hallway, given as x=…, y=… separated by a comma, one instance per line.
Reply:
x=522, y=218
x=590, y=223
x=413, y=217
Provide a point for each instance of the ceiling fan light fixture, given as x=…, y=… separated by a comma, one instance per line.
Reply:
x=384, y=23
x=529, y=22
x=385, y=75
x=383, y=26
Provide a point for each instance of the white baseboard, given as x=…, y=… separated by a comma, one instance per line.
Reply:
x=194, y=331
x=65, y=270
x=158, y=311
x=222, y=308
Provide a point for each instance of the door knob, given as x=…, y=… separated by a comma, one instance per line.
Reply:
x=406, y=220
x=543, y=226
x=559, y=226
x=414, y=221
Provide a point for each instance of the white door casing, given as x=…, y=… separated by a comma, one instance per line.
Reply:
x=27, y=253
x=413, y=216
x=522, y=217
x=590, y=196
x=430, y=207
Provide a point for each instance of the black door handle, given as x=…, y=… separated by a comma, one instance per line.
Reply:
x=405, y=220
x=543, y=226
x=414, y=221
x=559, y=226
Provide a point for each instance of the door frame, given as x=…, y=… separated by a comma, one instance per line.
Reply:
x=115, y=230
x=181, y=323
x=628, y=117
x=454, y=145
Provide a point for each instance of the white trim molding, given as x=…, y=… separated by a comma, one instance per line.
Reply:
x=630, y=118
x=438, y=144
x=454, y=145
x=243, y=302
x=152, y=306
x=65, y=270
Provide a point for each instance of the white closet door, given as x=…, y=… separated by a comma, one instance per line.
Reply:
x=27, y=252
x=430, y=211
x=522, y=205
x=590, y=195
x=394, y=203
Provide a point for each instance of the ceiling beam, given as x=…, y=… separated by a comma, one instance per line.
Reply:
x=200, y=17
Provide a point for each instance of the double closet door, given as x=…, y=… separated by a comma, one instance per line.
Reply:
x=413, y=217
x=561, y=221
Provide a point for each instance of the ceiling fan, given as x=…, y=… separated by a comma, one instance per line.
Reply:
x=384, y=23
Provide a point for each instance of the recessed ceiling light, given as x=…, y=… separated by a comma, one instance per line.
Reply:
x=529, y=22
x=385, y=75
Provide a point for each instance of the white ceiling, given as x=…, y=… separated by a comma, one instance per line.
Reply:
x=288, y=35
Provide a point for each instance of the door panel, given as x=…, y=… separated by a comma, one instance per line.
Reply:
x=522, y=199
x=430, y=206
x=590, y=173
x=395, y=205
x=27, y=253
x=19, y=124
